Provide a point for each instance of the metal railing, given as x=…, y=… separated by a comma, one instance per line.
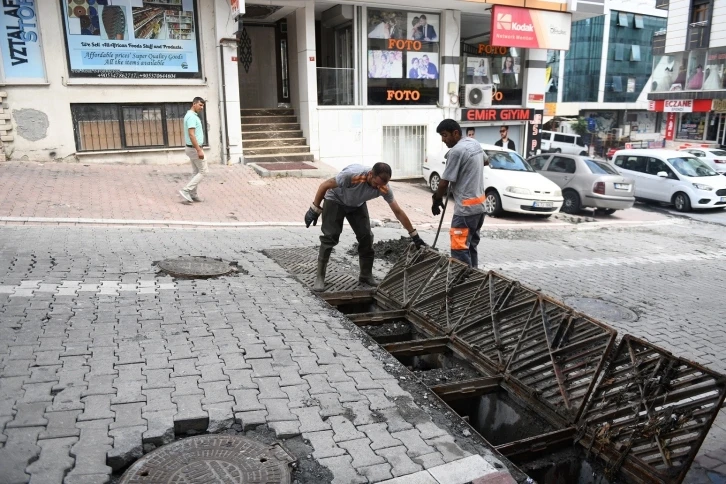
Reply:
x=336, y=86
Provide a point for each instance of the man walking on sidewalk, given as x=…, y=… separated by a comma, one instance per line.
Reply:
x=345, y=198
x=464, y=173
x=194, y=138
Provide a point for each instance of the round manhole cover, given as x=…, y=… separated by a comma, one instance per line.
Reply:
x=209, y=459
x=604, y=310
x=196, y=267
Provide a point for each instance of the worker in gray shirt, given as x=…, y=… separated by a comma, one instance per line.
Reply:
x=464, y=176
x=345, y=198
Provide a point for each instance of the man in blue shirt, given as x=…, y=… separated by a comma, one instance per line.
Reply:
x=194, y=139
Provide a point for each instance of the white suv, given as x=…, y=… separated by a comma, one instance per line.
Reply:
x=571, y=144
x=673, y=177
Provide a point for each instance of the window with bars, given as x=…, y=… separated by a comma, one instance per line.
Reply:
x=103, y=127
x=404, y=149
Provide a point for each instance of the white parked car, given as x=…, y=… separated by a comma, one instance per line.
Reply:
x=712, y=156
x=510, y=184
x=672, y=177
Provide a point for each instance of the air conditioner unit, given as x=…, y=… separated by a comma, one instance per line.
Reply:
x=478, y=96
x=626, y=129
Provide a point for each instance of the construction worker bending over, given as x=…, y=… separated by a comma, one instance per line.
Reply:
x=464, y=173
x=345, y=198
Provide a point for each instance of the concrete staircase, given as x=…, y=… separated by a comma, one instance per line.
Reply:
x=273, y=136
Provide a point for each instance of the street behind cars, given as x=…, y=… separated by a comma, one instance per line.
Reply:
x=673, y=177
x=586, y=182
x=511, y=185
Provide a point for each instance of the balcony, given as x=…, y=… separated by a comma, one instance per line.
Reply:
x=698, y=35
x=335, y=86
x=662, y=4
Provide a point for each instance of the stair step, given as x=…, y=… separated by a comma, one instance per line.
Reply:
x=267, y=143
x=268, y=119
x=246, y=128
x=267, y=112
x=275, y=150
x=279, y=158
x=268, y=135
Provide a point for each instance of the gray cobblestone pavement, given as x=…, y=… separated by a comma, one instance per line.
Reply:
x=101, y=360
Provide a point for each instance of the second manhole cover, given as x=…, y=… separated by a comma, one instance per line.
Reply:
x=209, y=459
x=196, y=267
x=603, y=310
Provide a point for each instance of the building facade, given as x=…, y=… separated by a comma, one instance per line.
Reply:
x=689, y=78
x=605, y=76
x=111, y=81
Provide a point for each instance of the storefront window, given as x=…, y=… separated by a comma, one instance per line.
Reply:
x=715, y=68
x=692, y=126
x=696, y=73
x=403, y=57
x=669, y=72
x=498, y=69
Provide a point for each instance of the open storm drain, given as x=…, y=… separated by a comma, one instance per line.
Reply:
x=212, y=458
x=603, y=310
x=196, y=267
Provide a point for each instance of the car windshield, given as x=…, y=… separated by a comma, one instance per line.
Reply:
x=600, y=167
x=694, y=167
x=507, y=160
x=718, y=152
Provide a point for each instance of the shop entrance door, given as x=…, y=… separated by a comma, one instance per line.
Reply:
x=263, y=66
x=721, y=121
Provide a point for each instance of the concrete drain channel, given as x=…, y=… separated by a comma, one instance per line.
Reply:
x=546, y=385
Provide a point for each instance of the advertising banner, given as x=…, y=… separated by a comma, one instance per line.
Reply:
x=132, y=39
x=532, y=29
x=670, y=126
x=534, y=134
x=21, y=49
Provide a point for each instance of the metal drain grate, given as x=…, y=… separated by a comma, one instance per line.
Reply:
x=341, y=281
x=651, y=411
x=408, y=275
x=212, y=458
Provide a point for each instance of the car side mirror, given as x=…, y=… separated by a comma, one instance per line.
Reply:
x=663, y=174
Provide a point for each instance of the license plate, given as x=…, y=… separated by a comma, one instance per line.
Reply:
x=622, y=186
x=542, y=204
x=723, y=199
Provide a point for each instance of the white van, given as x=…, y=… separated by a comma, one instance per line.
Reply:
x=571, y=144
x=672, y=177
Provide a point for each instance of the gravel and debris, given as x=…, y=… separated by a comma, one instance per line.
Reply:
x=388, y=250
x=442, y=376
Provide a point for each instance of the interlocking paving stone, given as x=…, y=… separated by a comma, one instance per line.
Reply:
x=399, y=459
x=54, y=460
x=323, y=444
x=360, y=450
x=20, y=449
x=343, y=471
x=251, y=419
x=61, y=424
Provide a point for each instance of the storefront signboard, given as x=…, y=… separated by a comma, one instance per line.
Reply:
x=535, y=98
x=145, y=41
x=534, y=134
x=678, y=105
x=21, y=49
x=718, y=105
x=670, y=126
x=550, y=109
x=513, y=114
x=533, y=29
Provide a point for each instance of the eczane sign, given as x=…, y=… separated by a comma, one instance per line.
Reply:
x=531, y=29
x=678, y=105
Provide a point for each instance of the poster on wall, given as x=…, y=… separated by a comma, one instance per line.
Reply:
x=21, y=48
x=132, y=39
x=422, y=66
x=385, y=64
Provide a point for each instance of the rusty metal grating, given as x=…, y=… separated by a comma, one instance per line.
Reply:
x=407, y=276
x=302, y=262
x=651, y=411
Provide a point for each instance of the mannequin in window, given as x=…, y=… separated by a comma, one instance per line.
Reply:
x=696, y=81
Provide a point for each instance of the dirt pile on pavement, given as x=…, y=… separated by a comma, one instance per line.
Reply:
x=440, y=376
x=388, y=250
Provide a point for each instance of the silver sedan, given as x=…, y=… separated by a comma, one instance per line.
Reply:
x=586, y=182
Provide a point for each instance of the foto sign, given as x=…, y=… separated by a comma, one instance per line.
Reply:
x=678, y=106
x=531, y=29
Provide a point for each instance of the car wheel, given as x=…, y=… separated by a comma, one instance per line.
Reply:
x=682, y=202
x=606, y=211
x=557, y=150
x=572, y=202
x=493, y=204
x=434, y=181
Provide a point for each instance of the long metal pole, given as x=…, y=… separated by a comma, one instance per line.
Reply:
x=446, y=202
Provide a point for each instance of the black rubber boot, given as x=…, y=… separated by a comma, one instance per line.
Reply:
x=366, y=271
x=319, y=285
